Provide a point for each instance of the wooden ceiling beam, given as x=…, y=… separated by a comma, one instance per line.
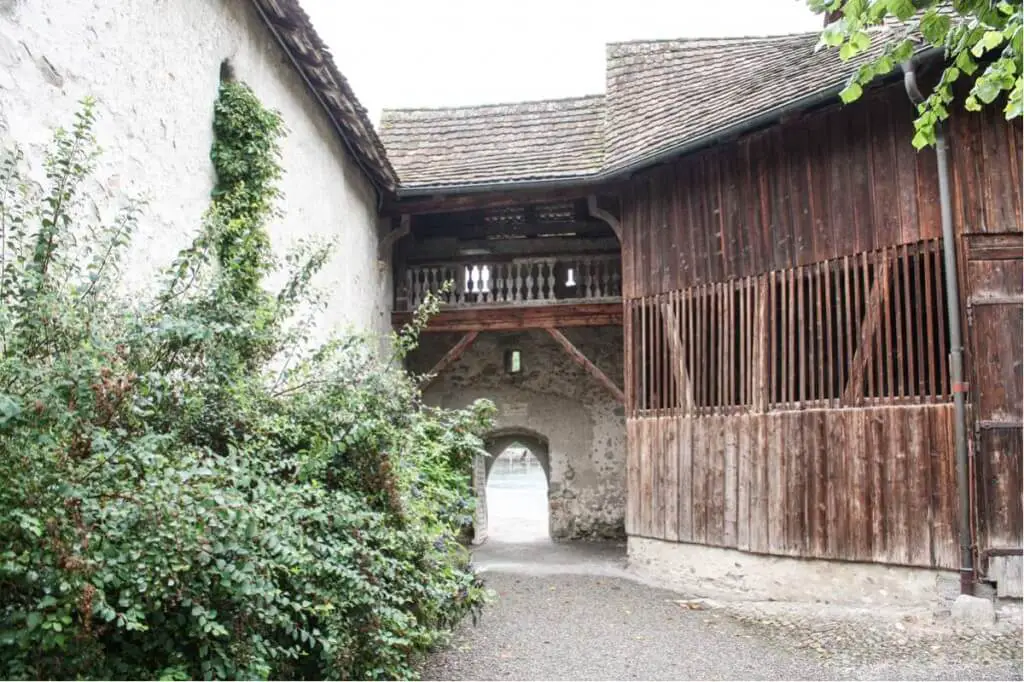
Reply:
x=511, y=318
x=478, y=200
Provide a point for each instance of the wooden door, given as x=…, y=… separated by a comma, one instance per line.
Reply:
x=993, y=278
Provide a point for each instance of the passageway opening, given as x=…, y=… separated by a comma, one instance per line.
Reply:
x=515, y=490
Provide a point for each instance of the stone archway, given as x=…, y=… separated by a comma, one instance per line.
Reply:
x=495, y=443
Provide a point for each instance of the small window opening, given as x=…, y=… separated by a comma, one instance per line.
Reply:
x=513, y=362
x=570, y=280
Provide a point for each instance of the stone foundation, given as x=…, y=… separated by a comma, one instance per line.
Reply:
x=720, y=573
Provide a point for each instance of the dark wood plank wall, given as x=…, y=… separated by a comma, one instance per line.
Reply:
x=836, y=182
x=865, y=484
x=871, y=484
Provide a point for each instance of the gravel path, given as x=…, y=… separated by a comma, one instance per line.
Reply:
x=573, y=612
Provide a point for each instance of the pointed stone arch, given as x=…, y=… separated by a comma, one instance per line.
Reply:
x=495, y=443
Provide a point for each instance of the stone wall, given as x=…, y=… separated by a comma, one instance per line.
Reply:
x=557, y=400
x=154, y=68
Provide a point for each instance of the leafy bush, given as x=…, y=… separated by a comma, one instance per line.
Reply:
x=188, y=495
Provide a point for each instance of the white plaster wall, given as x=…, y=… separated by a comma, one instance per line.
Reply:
x=154, y=67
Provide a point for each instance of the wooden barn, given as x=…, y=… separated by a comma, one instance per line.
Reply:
x=794, y=276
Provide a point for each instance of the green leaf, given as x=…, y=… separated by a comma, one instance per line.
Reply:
x=934, y=27
x=903, y=9
x=966, y=63
x=861, y=40
x=33, y=620
x=988, y=41
x=851, y=93
x=986, y=90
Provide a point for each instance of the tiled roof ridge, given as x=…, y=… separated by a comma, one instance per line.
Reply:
x=716, y=40
x=524, y=105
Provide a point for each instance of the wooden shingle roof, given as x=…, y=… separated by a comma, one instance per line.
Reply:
x=662, y=97
x=668, y=93
x=527, y=141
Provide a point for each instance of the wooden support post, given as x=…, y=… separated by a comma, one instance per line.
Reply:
x=451, y=356
x=586, y=364
x=877, y=304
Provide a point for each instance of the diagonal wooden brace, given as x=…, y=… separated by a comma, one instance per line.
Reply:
x=589, y=366
x=451, y=356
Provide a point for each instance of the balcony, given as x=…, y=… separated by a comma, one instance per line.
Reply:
x=535, y=281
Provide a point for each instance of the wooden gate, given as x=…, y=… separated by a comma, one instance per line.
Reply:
x=994, y=308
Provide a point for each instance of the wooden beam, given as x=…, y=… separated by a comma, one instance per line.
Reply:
x=475, y=200
x=589, y=366
x=388, y=241
x=519, y=317
x=451, y=356
x=604, y=215
x=447, y=249
x=877, y=303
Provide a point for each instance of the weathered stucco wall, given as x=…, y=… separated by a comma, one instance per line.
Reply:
x=556, y=399
x=154, y=68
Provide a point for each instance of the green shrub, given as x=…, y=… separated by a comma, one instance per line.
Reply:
x=188, y=494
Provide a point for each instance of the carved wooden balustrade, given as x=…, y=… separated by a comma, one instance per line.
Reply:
x=517, y=282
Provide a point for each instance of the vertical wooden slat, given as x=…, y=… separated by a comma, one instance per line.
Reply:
x=658, y=352
x=691, y=346
x=897, y=520
x=899, y=315
x=772, y=349
x=700, y=464
x=830, y=351
x=846, y=344
x=944, y=516
x=728, y=346
x=764, y=356
x=632, y=479
x=930, y=322
x=888, y=334
x=919, y=526
x=796, y=485
x=644, y=401
x=940, y=308
x=657, y=436
x=760, y=505
x=875, y=379
x=745, y=481
x=801, y=329
x=686, y=494
x=921, y=333
x=859, y=481
x=790, y=307
x=821, y=360
x=646, y=477
x=876, y=437
x=777, y=479
x=730, y=482
x=700, y=361
x=839, y=492
x=717, y=495
x=817, y=485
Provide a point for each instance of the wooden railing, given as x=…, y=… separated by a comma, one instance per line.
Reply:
x=522, y=281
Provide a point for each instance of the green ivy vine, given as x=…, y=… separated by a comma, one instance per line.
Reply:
x=246, y=155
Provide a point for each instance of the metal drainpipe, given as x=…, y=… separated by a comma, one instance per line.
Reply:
x=956, y=349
